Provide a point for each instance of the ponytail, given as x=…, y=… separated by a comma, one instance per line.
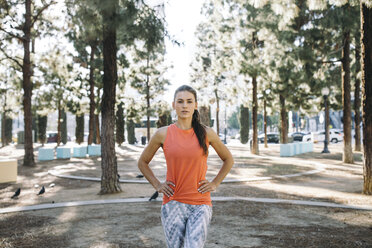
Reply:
x=199, y=130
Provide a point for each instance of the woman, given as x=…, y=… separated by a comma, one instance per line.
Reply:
x=187, y=208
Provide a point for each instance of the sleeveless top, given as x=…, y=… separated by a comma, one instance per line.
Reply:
x=186, y=166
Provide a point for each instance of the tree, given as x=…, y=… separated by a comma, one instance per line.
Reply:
x=205, y=113
x=24, y=33
x=42, y=126
x=357, y=100
x=79, y=130
x=109, y=178
x=120, y=121
x=244, y=124
x=366, y=42
x=86, y=35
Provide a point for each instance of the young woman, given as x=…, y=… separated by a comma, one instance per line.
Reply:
x=187, y=208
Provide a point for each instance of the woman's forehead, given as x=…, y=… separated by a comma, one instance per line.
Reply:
x=185, y=95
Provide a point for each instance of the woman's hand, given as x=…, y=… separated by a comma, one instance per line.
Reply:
x=206, y=186
x=165, y=189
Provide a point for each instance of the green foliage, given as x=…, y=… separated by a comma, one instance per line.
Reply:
x=120, y=121
x=79, y=131
x=42, y=126
x=244, y=124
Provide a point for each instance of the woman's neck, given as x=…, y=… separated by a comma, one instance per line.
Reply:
x=184, y=123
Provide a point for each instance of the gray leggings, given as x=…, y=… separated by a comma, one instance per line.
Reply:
x=185, y=225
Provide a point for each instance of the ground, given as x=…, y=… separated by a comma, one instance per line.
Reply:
x=235, y=223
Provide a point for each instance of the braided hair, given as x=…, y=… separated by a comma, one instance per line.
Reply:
x=199, y=128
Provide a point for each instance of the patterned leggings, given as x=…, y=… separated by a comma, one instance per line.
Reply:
x=185, y=225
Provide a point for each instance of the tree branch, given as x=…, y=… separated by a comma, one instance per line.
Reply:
x=36, y=17
x=328, y=61
x=12, y=35
x=11, y=58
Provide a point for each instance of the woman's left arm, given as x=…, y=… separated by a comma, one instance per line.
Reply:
x=225, y=156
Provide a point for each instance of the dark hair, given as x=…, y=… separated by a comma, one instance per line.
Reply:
x=199, y=128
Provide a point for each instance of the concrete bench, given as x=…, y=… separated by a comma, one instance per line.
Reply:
x=63, y=152
x=46, y=154
x=94, y=150
x=8, y=170
x=287, y=150
x=80, y=151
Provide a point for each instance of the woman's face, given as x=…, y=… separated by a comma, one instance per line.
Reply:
x=184, y=104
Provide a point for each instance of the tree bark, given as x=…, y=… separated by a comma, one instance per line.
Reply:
x=3, y=139
x=366, y=41
x=217, y=112
x=109, y=178
x=346, y=99
x=28, y=159
x=59, y=124
x=204, y=115
x=98, y=133
x=357, y=119
x=148, y=102
x=92, y=103
x=254, y=149
x=265, y=124
x=284, y=121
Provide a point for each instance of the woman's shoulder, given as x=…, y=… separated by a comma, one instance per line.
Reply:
x=211, y=134
x=161, y=134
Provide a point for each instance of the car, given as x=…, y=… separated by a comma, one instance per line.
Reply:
x=52, y=137
x=271, y=138
x=297, y=136
x=335, y=136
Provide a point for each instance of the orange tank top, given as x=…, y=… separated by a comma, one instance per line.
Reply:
x=186, y=166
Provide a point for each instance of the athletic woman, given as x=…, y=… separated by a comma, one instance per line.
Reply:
x=187, y=208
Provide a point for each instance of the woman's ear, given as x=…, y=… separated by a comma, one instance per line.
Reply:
x=173, y=105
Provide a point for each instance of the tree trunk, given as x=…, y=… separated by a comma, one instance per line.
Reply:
x=63, y=127
x=358, y=146
x=130, y=132
x=120, y=124
x=217, y=112
x=346, y=99
x=254, y=149
x=109, y=178
x=42, y=124
x=148, y=102
x=92, y=103
x=79, y=130
x=366, y=41
x=59, y=124
x=265, y=124
x=244, y=124
x=3, y=139
x=98, y=133
x=326, y=115
x=28, y=159
x=284, y=121
x=204, y=115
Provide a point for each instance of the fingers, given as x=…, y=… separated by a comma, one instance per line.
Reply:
x=206, y=186
x=165, y=189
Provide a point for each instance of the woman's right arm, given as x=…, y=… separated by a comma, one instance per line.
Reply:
x=143, y=163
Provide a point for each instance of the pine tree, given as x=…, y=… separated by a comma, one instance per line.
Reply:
x=22, y=29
